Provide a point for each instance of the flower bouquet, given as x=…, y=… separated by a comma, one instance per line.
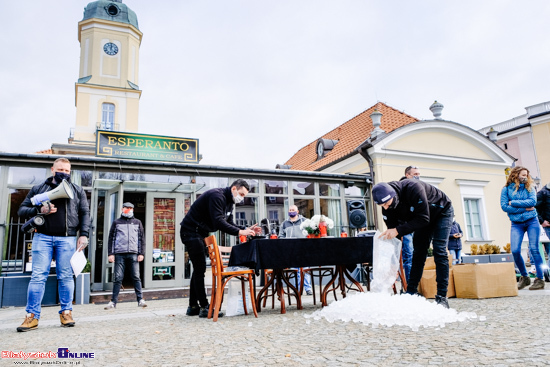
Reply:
x=316, y=226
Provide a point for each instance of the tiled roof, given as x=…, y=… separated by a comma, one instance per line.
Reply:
x=349, y=135
x=47, y=151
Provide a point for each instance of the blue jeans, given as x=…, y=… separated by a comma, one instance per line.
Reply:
x=121, y=260
x=517, y=232
x=456, y=256
x=407, y=253
x=437, y=232
x=43, y=249
x=307, y=281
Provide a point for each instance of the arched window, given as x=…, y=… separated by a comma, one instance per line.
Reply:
x=108, y=116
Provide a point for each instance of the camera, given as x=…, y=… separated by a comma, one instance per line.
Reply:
x=30, y=225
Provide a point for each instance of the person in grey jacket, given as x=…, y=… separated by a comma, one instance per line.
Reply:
x=291, y=229
x=126, y=247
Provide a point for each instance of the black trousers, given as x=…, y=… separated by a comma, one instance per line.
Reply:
x=196, y=248
x=437, y=232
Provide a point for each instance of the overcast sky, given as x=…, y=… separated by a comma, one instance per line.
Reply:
x=255, y=81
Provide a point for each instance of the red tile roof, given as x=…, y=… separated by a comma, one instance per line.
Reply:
x=349, y=135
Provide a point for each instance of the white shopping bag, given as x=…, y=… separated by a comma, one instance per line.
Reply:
x=385, y=263
x=234, y=305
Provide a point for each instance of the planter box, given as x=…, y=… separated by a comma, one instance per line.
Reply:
x=485, y=280
x=14, y=291
x=428, y=285
x=502, y=258
x=476, y=259
x=82, y=289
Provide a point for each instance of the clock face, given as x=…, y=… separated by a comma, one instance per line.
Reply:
x=110, y=49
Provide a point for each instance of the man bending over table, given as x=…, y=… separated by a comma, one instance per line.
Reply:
x=209, y=213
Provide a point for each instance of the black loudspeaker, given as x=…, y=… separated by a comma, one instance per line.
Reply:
x=357, y=214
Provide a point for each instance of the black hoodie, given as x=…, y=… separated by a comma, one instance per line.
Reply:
x=417, y=204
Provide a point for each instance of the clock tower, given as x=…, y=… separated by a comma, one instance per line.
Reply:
x=107, y=91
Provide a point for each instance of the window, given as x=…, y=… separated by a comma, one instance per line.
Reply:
x=473, y=219
x=240, y=218
x=475, y=216
x=108, y=116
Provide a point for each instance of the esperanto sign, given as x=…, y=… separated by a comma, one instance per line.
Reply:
x=114, y=144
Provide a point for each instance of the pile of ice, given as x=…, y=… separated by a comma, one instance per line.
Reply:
x=383, y=309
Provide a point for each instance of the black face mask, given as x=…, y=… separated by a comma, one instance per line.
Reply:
x=60, y=176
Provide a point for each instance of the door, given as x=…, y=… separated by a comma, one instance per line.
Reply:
x=113, y=208
x=164, y=255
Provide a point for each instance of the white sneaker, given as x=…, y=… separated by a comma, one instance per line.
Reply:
x=110, y=306
x=142, y=303
x=533, y=269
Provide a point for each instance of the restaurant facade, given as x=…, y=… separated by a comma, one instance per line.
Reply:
x=162, y=193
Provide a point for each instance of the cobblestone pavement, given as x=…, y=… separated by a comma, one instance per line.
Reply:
x=516, y=332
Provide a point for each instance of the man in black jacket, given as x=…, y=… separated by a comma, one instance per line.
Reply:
x=126, y=247
x=64, y=219
x=415, y=206
x=543, y=210
x=209, y=213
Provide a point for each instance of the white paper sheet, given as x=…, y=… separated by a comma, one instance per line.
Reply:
x=78, y=262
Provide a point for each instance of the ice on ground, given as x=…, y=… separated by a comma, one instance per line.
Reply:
x=383, y=309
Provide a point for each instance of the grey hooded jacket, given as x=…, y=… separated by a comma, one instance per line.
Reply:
x=291, y=229
x=126, y=237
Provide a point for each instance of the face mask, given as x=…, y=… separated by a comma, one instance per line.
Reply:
x=127, y=212
x=292, y=214
x=416, y=177
x=60, y=176
x=523, y=180
x=238, y=199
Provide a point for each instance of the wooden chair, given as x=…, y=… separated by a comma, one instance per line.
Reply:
x=272, y=292
x=319, y=272
x=220, y=277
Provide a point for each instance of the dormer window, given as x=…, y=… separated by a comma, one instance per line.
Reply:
x=324, y=146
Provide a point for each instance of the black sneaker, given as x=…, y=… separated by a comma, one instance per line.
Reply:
x=440, y=300
x=204, y=312
x=193, y=310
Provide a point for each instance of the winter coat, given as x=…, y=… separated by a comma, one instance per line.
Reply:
x=455, y=243
x=126, y=237
x=290, y=229
x=543, y=204
x=418, y=205
x=211, y=212
x=514, y=202
x=77, y=210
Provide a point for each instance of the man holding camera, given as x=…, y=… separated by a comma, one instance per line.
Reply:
x=64, y=219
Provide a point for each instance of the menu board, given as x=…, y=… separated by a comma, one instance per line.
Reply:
x=164, y=229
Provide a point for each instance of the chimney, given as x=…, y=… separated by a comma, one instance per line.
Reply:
x=376, y=117
x=436, y=109
x=492, y=134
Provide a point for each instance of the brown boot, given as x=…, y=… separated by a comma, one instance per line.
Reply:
x=523, y=282
x=30, y=323
x=66, y=318
x=537, y=284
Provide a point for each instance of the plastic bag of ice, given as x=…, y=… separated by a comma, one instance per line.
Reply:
x=385, y=262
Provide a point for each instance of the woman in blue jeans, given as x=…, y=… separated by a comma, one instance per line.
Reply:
x=518, y=199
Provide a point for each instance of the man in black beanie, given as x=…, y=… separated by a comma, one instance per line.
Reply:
x=416, y=206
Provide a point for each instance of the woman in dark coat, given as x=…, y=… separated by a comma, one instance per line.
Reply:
x=455, y=243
